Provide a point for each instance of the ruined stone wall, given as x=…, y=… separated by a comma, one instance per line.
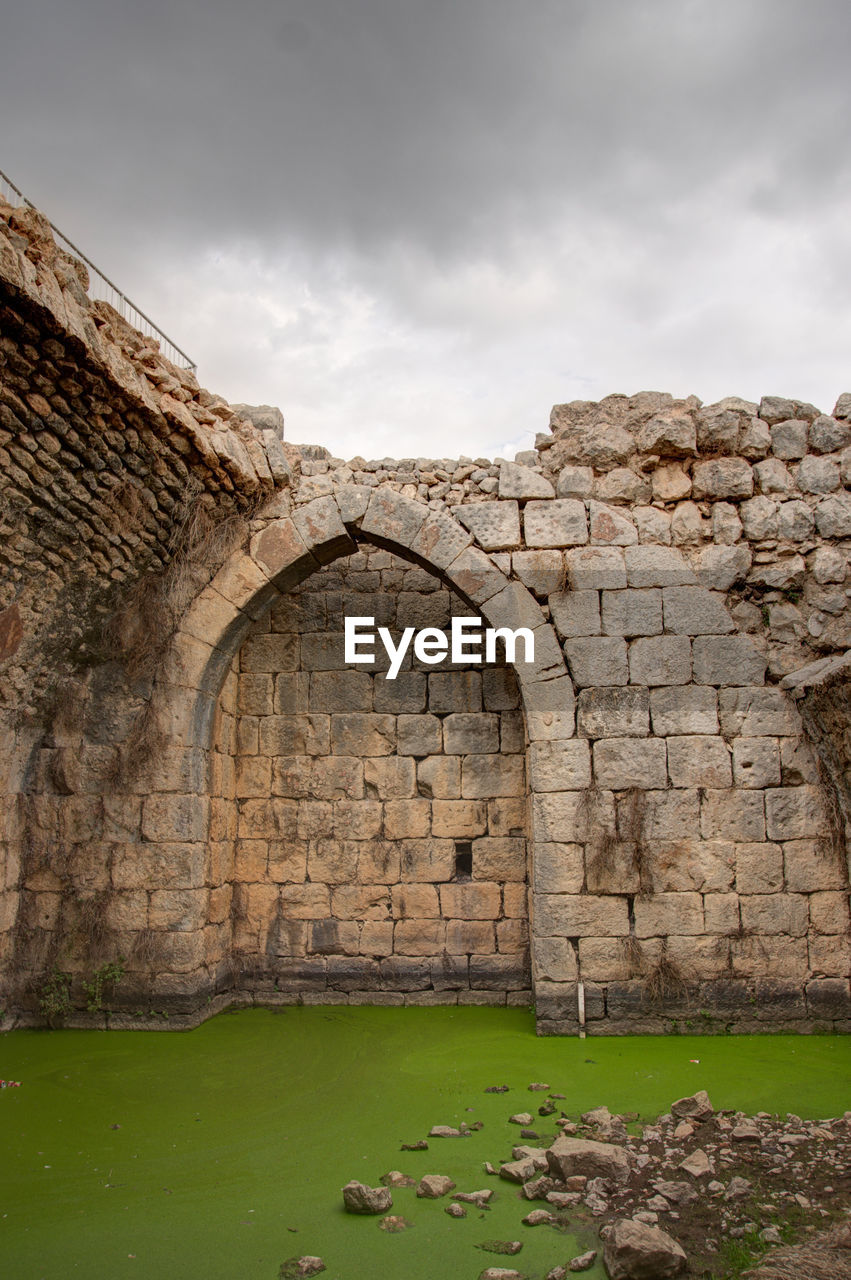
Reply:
x=229, y=815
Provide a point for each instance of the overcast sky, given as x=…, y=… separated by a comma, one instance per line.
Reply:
x=415, y=225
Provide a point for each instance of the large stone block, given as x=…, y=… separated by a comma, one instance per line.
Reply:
x=305, y=901
x=357, y=819
x=759, y=868
x=360, y=902
x=574, y=915
x=613, y=712
x=333, y=861
x=558, y=766
x=467, y=937
x=361, y=734
x=660, y=660
x=796, y=813
x=757, y=713
x=701, y=760
x=597, y=661
x=474, y=901
x=676, y=866
x=419, y=937
x=322, y=778
x=439, y=777
x=270, y=653
x=811, y=865
x=543, y=572
x=727, y=660
x=630, y=762
x=419, y=735
x=723, y=478
x=576, y=613
x=732, y=815
x=499, y=858
x=829, y=912
x=610, y=527
x=459, y=819
x=596, y=569
x=484, y=776
x=775, y=913
x=565, y=816
x=499, y=689
x=379, y=862
x=494, y=525
x=669, y=913
x=407, y=819
x=415, y=901
x=406, y=693
x=756, y=762
x=649, y=565
x=633, y=612
x=454, y=691
x=428, y=861
x=694, y=611
x=295, y=735
x=287, y=861
x=683, y=710
x=175, y=819
x=558, y=523
x=333, y=937
x=468, y=733
x=390, y=777
x=507, y=816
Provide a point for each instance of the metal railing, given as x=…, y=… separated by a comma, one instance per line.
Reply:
x=100, y=286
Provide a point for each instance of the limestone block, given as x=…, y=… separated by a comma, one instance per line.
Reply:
x=768, y=955
x=609, y=527
x=180, y=952
x=255, y=694
x=332, y=861
x=543, y=572
x=440, y=540
x=512, y=937
x=833, y=516
x=459, y=819
x=389, y=777
x=514, y=901
x=419, y=735
x=660, y=660
x=466, y=937
x=305, y=901
x=362, y=734
x=555, y=959
x=390, y=517
x=341, y=691
x=754, y=439
x=688, y=527
x=670, y=815
x=622, y=485
x=473, y=901
x=599, y=960
x=756, y=762
x=723, y=478
x=271, y=652
x=564, y=815
x=419, y=937
x=829, y=955
x=379, y=862
x=439, y=777
x=428, y=861
x=596, y=568
x=494, y=525
x=295, y=735
x=727, y=660
x=773, y=476
x=829, y=564
x=766, y=712
x=796, y=813
x=333, y=937
x=168, y=866
x=653, y=525
x=700, y=957
x=668, y=913
x=678, y=865
x=575, y=482
x=243, y=582
x=594, y=661
x=558, y=523
x=507, y=816
x=699, y=761
x=499, y=858
x=314, y=818
x=575, y=613
x=732, y=815
x=474, y=574
x=549, y=725
x=320, y=651
x=454, y=691
x=721, y=913
x=361, y=902
x=633, y=612
x=827, y=434
x=292, y=693
x=325, y=778
x=415, y=901
x=357, y=819
x=558, y=766
x=174, y=818
x=818, y=475
x=407, y=693
x=683, y=710
x=599, y=444
x=613, y=712
x=810, y=865
x=694, y=611
x=522, y=483
x=829, y=912
x=251, y=858
x=759, y=868
x=465, y=733
x=287, y=861
x=670, y=483
x=789, y=439
x=767, y=913
x=499, y=689
x=718, y=567
x=122, y=816
x=408, y=819
x=484, y=776
x=574, y=915
x=672, y=434
x=512, y=733
x=376, y=938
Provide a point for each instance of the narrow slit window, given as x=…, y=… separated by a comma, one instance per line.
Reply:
x=463, y=860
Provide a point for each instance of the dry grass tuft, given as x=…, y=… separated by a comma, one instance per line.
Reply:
x=665, y=979
x=825, y=1257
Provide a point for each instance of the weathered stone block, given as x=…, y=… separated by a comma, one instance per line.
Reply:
x=576, y=613
x=796, y=813
x=829, y=955
x=723, y=478
x=694, y=611
x=757, y=713
x=574, y=915
x=484, y=776
x=811, y=865
x=649, y=565
x=596, y=569
x=699, y=761
x=559, y=766
x=333, y=861
x=632, y=612
x=174, y=818
x=756, y=762
x=660, y=660
x=499, y=858
x=564, y=815
x=292, y=693
x=464, y=937
x=775, y=913
x=305, y=901
x=727, y=660
x=415, y=901
x=507, y=816
x=465, y=734
x=543, y=572
x=630, y=762
x=287, y=861
x=428, y=860
x=419, y=937
x=759, y=868
x=255, y=693
x=473, y=901
x=333, y=937
x=829, y=998
x=499, y=689
x=675, y=866
x=454, y=691
x=721, y=913
x=558, y=523
x=669, y=913
x=376, y=938
x=253, y=776
x=270, y=653
x=390, y=777
x=683, y=710
x=512, y=937
x=360, y=734
x=829, y=912
x=406, y=693
x=439, y=777
x=419, y=735
x=596, y=661
x=732, y=815
x=407, y=819
x=494, y=525
x=497, y=973
x=613, y=712
x=360, y=902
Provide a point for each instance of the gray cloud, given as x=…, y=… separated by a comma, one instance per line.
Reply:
x=410, y=222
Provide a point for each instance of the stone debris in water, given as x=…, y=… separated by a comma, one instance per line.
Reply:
x=359, y=1198
x=295, y=1268
x=393, y=1223
x=434, y=1185
x=508, y=1247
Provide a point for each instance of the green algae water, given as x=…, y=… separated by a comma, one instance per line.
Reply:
x=219, y=1153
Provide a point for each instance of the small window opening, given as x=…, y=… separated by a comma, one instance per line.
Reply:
x=463, y=860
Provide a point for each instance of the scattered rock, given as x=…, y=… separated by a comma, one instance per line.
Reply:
x=537, y=1087
x=394, y=1223
x=522, y=1117
x=422, y=1145
x=583, y=1261
x=497, y=1088
x=445, y=1131
x=676, y=1192
x=455, y=1210
x=434, y=1185
x=294, y=1268
x=637, y=1251
x=697, y=1106
x=697, y=1164
x=396, y=1179
x=569, y=1156
x=538, y=1218
x=500, y=1273
x=509, y=1247
x=359, y=1198
x=479, y=1198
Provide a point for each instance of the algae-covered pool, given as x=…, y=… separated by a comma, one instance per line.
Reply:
x=220, y=1152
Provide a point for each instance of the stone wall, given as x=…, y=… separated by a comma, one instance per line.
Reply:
x=240, y=815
